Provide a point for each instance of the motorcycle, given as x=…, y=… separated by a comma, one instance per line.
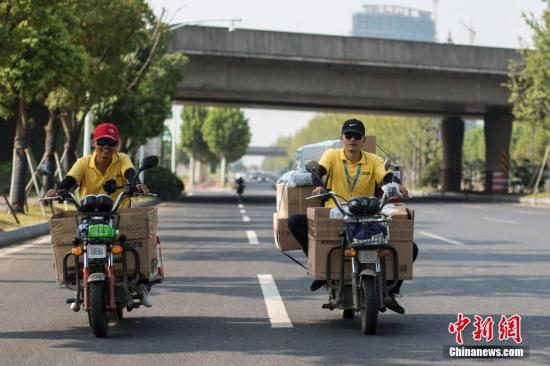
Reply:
x=365, y=243
x=239, y=186
x=101, y=292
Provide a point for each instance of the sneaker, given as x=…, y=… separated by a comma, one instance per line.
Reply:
x=316, y=285
x=392, y=304
x=146, y=298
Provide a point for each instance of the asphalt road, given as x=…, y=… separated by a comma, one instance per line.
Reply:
x=485, y=259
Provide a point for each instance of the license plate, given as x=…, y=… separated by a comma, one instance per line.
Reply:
x=368, y=256
x=96, y=251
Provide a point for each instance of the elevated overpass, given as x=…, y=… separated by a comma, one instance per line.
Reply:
x=266, y=151
x=253, y=68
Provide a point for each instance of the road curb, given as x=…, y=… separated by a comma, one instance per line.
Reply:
x=17, y=236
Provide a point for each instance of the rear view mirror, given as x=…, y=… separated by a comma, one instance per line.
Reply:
x=149, y=162
x=313, y=167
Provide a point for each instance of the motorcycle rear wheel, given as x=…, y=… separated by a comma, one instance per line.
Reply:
x=369, y=310
x=97, y=313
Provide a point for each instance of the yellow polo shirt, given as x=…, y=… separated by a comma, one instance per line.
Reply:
x=91, y=180
x=371, y=172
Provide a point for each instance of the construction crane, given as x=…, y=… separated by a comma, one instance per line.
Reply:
x=471, y=30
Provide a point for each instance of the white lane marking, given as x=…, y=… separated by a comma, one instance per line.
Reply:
x=273, y=302
x=500, y=221
x=246, y=218
x=252, y=237
x=430, y=212
x=434, y=236
x=241, y=205
x=475, y=207
x=242, y=211
x=532, y=213
x=20, y=247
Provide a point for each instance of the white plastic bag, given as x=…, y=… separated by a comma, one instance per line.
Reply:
x=314, y=152
x=295, y=178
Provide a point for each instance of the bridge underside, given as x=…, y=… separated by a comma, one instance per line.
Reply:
x=348, y=88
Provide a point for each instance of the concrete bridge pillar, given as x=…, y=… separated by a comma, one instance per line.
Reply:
x=452, y=134
x=498, y=130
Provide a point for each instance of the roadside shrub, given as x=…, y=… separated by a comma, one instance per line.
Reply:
x=162, y=182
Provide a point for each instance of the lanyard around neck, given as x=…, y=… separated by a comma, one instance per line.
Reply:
x=357, y=173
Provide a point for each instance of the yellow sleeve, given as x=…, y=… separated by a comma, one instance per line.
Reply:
x=327, y=159
x=379, y=170
x=78, y=169
x=125, y=163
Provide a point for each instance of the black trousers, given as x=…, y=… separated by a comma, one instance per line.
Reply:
x=297, y=224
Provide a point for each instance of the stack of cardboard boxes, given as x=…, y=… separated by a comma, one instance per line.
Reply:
x=138, y=224
x=324, y=234
x=290, y=201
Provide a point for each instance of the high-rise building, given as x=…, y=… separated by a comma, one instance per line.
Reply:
x=394, y=22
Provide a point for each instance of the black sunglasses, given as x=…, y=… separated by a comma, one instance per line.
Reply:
x=106, y=141
x=353, y=135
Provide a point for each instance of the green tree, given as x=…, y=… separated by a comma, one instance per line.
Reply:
x=112, y=33
x=191, y=138
x=529, y=85
x=227, y=134
x=140, y=112
x=45, y=59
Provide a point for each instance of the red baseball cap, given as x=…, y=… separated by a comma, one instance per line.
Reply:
x=106, y=129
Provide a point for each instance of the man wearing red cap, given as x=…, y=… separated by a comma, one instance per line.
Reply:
x=103, y=164
x=90, y=172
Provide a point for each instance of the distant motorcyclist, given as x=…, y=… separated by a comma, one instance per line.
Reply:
x=239, y=185
x=351, y=172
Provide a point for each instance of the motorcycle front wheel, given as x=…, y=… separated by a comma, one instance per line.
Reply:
x=97, y=313
x=369, y=310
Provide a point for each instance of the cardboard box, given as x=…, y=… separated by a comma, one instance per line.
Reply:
x=321, y=226
x=292, y=200
x=370, y=144
x=284, y=240
x=318, y=251
x=138, y=224
x=405, y=253
x=321, y=229
x=402, y=222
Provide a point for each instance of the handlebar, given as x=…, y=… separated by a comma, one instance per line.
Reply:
x=69, y=196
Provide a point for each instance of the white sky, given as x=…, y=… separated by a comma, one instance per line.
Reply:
x=498, y=23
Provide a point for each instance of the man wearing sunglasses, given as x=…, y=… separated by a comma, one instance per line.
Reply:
x=351, y=172
x=104, y=163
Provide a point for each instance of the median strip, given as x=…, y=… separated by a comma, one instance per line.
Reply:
x=273, y=302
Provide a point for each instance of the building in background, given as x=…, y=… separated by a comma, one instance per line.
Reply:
x=394, y=22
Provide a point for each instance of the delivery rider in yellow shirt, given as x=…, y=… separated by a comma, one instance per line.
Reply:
x=351, y=172
x=90, y=172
